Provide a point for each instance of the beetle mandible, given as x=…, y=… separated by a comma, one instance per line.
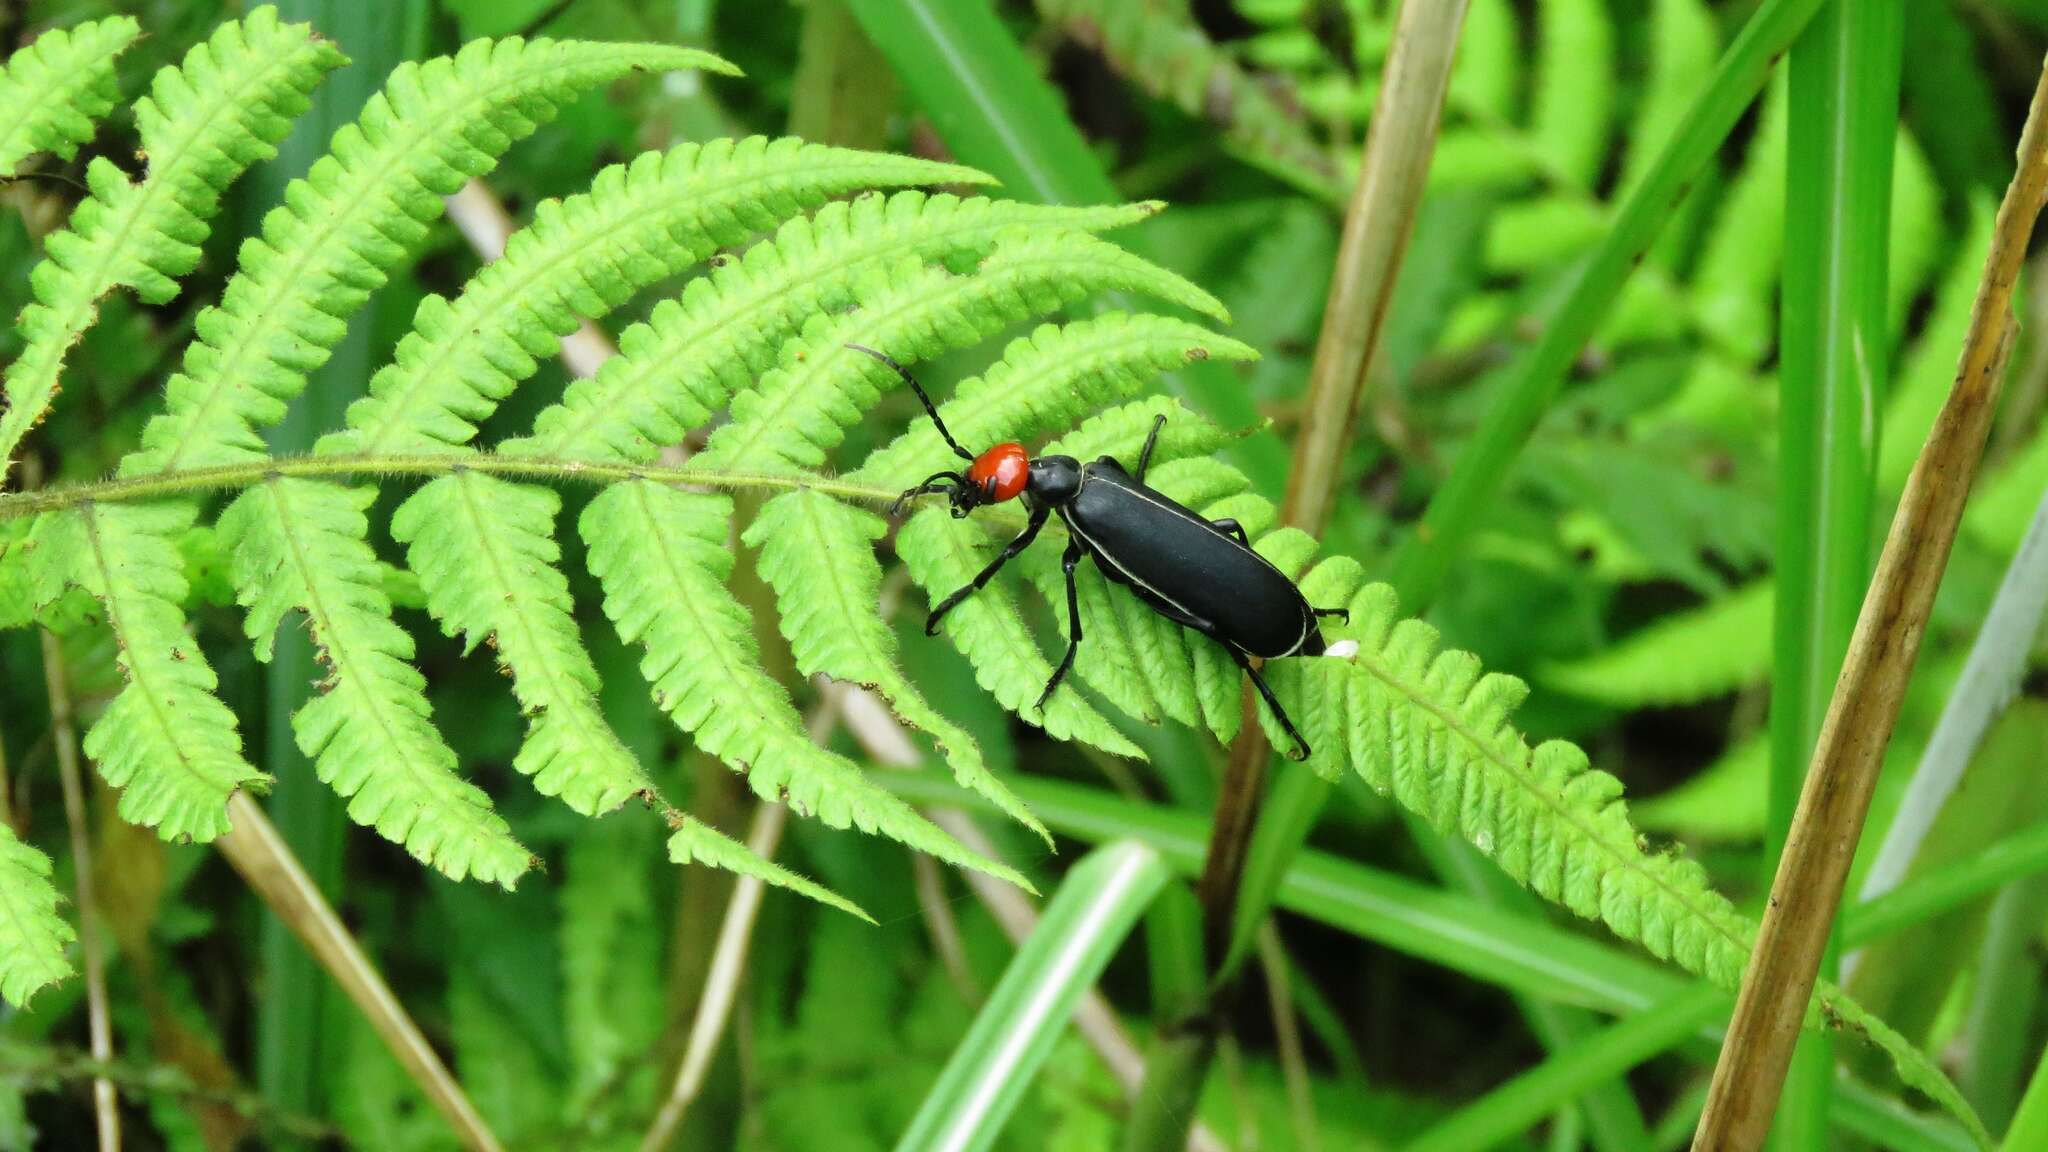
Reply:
x=1200, y=574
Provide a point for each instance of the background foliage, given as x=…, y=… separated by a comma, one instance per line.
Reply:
x=1626, y=572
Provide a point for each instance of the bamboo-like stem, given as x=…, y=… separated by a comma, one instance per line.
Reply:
x=721, y=986
x=7, y=815
x=1301, y=1102
x=106, y=1106
x=255, y=850
x=197, y=481
x=1807, y=889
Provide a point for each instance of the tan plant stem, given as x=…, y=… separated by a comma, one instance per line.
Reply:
x=1807, y=890
x=266, y=863
x=943, y=928
x=106, y=1105
x=721, y=985
x=1301, y=1103
x=7, y=813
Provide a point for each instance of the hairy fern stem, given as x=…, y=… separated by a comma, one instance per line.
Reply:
x=235, y=477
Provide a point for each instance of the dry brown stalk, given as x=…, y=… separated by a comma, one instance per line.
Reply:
x=1807, y=890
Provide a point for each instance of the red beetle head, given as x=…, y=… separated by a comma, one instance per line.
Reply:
x=999, y=474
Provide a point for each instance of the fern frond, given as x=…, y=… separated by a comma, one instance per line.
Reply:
x=1050, y=380
x=32, y=936
x=166, y=741
x=17, y=583
x=943, y=554
x=818, y=555
x=798, y=413
x=695, y=842
x=691, y=356
x=1161, y=49
x=1683, y=658
x=222, y=109
x=661, y=557
x=486, y=556
x=1572, y=105
x=1432, y=729
x=54, y=91
x=300, y=545
x=582, y=257
x=359, y=210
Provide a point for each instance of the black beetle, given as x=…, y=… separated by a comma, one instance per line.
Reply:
x=1201, y=574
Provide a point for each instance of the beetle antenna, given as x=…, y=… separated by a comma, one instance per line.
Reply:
x=930, y=407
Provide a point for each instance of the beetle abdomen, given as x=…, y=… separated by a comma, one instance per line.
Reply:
x=1144, y=538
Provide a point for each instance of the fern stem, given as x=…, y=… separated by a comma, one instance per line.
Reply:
x=235, y=477
x=1808, y=887
x=64, y=733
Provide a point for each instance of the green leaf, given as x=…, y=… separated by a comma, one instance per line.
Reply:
x=166, y=741
x=356, y=214
x=1047, y=382
x=582, y=257
x=32, y=936
x=486, y=556
x=224, y=108
x=691, y=356
x=943, y=554
x=54, y=91
x=818, y=555
x=662, y=559
x=694, y=842
x=1683, y=658
x=299, y=546
x=798, y=413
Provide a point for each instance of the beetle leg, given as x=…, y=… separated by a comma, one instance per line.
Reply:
x=1230, y=527
x=1343, y=614
x=936, y=482
x=980, y=581
x=1301, y=751
x=1151, y=441
x=1068, y=562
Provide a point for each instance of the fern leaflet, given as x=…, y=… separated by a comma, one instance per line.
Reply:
x=697, y=842
x=818, y=555
x=485, y=553
x=662, y=559
x=300, y=545
x=1683, y=658
x=943, y=554
x=794, y=417
x=325, y=249
x=224, y=108
x=1432, y=730
x=1049, y=380
x=53, y=91
x=166, y=740
x=32, y=936
x=582, y=257
x=690, y=357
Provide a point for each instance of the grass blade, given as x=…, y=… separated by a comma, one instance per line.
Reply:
x=1844, y=87
x=1485, y=461
x=1082, y=927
